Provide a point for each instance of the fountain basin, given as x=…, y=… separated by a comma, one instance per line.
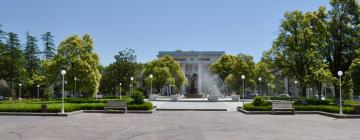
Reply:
x=235, y=97
x=213, y=98
x=194, y=95
x=174, y=98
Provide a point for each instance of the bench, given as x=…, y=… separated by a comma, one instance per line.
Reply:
x=282, y=106
x=111, y=105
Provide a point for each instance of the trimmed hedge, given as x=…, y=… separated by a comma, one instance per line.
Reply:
x=325, y=108
x=69, y=107
x=92, y=100
x=251, y=107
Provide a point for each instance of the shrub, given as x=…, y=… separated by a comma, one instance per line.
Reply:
x=259, y=101
x=138, y=97
x=251, y=107
x=313, y=101
x=48, y=93
x=144, y=106
x=325, y=108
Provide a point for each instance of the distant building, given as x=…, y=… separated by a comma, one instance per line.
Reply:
x=194, y=64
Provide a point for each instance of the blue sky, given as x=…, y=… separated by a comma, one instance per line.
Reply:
x=149, y=26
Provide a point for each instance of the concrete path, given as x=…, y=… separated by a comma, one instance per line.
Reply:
x=229, y=106
x=179, y=125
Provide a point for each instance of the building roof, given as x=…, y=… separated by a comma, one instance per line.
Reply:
x=191, y=53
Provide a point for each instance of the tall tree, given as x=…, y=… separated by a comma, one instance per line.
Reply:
x=166, y=71
x=76, y=56
x=31, y=55
x=343, y=38
x=49, y=46
x=231, y=67
x=295, y=51
x=120, y=71
x=14, y=61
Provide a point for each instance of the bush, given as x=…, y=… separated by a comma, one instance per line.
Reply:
x=84, y=100
x=279, y=98
x=48, y=93
x=313, y=101
x=251, y=107
x=144, y=106
x=351, y=103
x=138, y=97
x=325, y=108
x=69, y=107
x=259, y=101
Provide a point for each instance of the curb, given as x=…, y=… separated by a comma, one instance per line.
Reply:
x=345, y=116
x=129, y=111
x=35, y=114
x=165, y=109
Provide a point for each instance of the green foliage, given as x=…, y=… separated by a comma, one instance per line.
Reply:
x=231, y=67
x=76, y=56
x=251, y=107
x=259, y=101
x=48, y=92
x=166, y=71
x=351, y=103
x=313, y=101
x=325, y=108
x=49, y=46
x=138, y=97
x=120, y=71
x=55, y=106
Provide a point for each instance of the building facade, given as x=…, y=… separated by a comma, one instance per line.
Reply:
x=194, y=64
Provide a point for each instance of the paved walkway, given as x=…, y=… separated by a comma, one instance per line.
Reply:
x=179, y=125
x=229, y=106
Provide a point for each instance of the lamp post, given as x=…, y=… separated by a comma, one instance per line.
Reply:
x=243, y=80
x=170, y=89
x=132, y=82
x=269, y=90
x=38, y=89
x=260, y=86
x=63, y=72
x=20, y=91
x=296, y=94
x=151, y=77
x=120, y=90
x=340, y=73
x=75, y=79
x=130, y=90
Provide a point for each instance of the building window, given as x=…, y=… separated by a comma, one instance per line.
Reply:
x=204, y=59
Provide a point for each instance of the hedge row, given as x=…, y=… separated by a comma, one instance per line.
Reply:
x=69, y=107
x=324, y=108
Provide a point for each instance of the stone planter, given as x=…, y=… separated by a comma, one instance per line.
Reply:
x=213, y=98
x=174, y=98
x=235, y=97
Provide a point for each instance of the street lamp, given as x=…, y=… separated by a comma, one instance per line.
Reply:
x=269, y=90
x=132, y=82
x=63, y=72
x=260, y=86
x=151, y=77
x=170, y=90
x=75, y=79
x=130, y=90
x=296, y=94
x=120, y=90
x=38, y=86
x=20, y=91
x=340, y=73
x=243, y=79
